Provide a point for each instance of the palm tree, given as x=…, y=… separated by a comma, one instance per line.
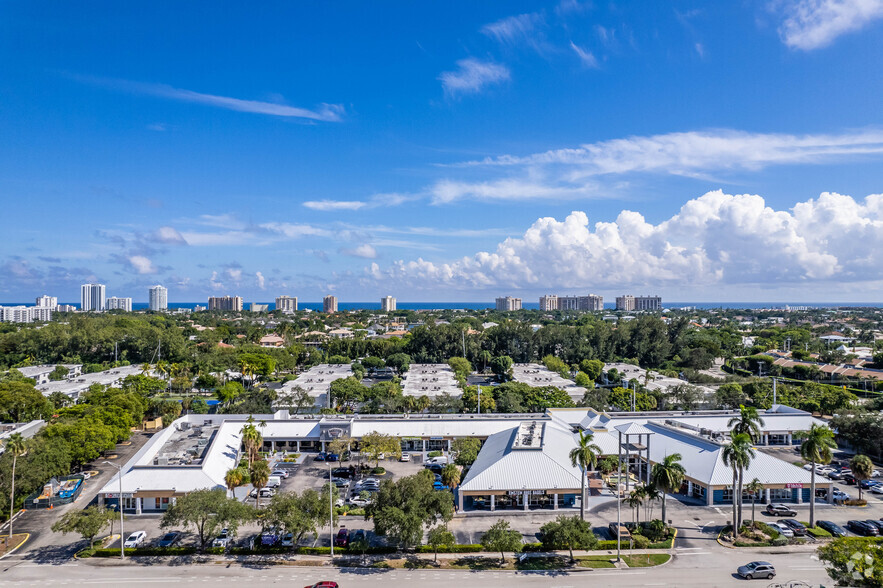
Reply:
x=737, y=454
x=584, y=456
x=755, y=487
x=15, y=446
x=862, y=467
x=667, y=476
x=259, y=472
x=423, y=403
x=634, y=501
x=652, y=495
x=253, y=440
x=145, y=369
x=748, y=422
x=450, y=476
x=234, y=478
x=247, y=369
x=816, y=448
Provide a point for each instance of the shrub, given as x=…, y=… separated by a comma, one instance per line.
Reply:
x=655, y=530
x=467, y=548
x=432, y=454
x=378, y=471
x=779, y=541
x=641, y=542
x=855, y=502
x=817, y=532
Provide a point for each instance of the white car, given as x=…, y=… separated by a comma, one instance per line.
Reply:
x=135, y=539
x=783, y=530
x=877, y=489
x=222, y=540
x=359, y=502
x=875, y=474
x=281, y=473
x=405, y=457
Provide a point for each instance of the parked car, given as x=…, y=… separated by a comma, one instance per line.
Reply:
x=796, y=526
x=435, y=468
x=358, y=535
x=405, y=457
x=849, y=479
x=250, y=542
x=878, y=489
x=875, y=474
x=281, y=473
x=359, y=502
x=840, y=496
x=326, y=584
x=876, y=523
x=832, y=528
x=222, y=540
x=783, y=530
x=320, y=456
x=270, y=537
x=623, y=532
x=332, y=457
x=835, y=475
x=862, y=528
x=288, y=540
x=439, y=486
x=777, y=509
x=343, y=538
x=135, y=539
x=868, y=484
x=168, y=539
x=341, y=473
x=757, y=569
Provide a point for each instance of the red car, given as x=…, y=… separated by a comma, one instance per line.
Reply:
x=342, y=539
x=323, y=585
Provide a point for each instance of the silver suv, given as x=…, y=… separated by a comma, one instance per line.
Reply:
x=780, y=510
x=757, y=569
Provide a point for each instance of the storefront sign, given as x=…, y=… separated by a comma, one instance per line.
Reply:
x=530, y=492
x=116, y=495
x=794, y=485
x=436, y=438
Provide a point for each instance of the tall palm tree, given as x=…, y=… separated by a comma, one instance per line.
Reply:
x=252, y=440
x=652, y=495
x=755, y=487
x=423, y=403
x=259, y=472
x=748, y=423
x=634, y=500
x=585, y=457
x=817, y=448
x=862, y=467
x=15, y=446
x=667, y=476
x=738, y=454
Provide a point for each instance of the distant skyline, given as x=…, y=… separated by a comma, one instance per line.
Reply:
x=451, y=152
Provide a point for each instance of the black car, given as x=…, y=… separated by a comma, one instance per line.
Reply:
x=832, y=528
x=168, y=539
x=342, y=472
x=796, y=526
x=862, y=528
x=878, y=524
x=435, y=468
x=849, y=479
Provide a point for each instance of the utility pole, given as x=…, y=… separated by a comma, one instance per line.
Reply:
x=618, y=496
x=634, y=393
x=774, y=391
x=120, y=505
x=479, y=398
x=331, y=510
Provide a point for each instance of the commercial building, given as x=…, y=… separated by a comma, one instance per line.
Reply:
x=387, y=304
x=523, y=464
x=430, y=379
x=47, y=301
x=114, y=303
x=316, y=381
x=329, y=304
x=233, y=303
x=631, y=303
x=25, y=314
x=158, y=298
x=78, y=384
x=40, y=373
x=92, y=297
x=286, y=304
x=536, y=375
x=508, y=303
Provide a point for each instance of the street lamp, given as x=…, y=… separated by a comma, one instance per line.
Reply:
x=331, y=509
x=120, y=504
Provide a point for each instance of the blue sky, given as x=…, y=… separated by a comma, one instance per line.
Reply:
x=443, y=151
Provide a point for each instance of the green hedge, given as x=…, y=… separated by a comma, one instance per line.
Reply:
x=142, y=551
x=451, y=549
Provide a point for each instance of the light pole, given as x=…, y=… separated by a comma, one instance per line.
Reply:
x=331, y=509
x=120, y=505
x=618, y=498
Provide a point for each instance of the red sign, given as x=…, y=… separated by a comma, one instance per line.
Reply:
x=794, y=485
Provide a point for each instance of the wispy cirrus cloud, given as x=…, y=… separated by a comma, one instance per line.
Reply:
x=376, y=201
x=812, y=24
x=514, y=30
x=472, y=76
x=587, y=58
x=324, y=112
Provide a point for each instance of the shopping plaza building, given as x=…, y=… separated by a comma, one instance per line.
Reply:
x=523, y=464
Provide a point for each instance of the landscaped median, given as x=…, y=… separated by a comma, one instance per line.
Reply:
x=761, y=534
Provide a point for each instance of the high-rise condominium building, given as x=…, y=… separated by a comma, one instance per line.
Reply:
x=225, y=303
x=114, y=303
x=47, y=301
x=158, y=298
x=553, y=302
x=92, y=297
x=25, y=314
x=329, y=304
x=549, y=302
x=630, y=303
x=508, y=303
x=286, y=304
x=387, y=304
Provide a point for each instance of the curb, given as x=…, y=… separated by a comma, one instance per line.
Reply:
x=11, y=551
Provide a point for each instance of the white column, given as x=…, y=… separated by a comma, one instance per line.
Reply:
x=789, y=438
x=449, y=445
x=709, y=495
x=830, y=494
x=799, y=495
x=460, y=501
x=101, y=500
x=554, y=502
x=138, y=505
x=297, y=450
x=424, y=448
x=689, y=488
x=493, y=502
x=273, y=446
x=323, y=446
x=767, y=495
x=525, y=497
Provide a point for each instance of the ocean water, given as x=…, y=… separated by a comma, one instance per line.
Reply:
x=527, y=305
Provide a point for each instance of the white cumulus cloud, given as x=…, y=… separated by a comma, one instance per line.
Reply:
x=811, y=24
x=142, y=264
x=472, y=75
x=260, y=280
x=716, y=239
x=365, y=250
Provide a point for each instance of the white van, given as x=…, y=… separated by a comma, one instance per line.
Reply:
x=440, y=460
x=274, y=481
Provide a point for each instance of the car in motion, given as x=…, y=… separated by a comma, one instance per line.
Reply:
x=135, y=539
x=757, y=569
x=326, y=584
x=781, y=510
x=832, y=528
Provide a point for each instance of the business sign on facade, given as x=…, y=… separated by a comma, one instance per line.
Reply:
x=530, y=492
x=794, y=485
x=116, y=495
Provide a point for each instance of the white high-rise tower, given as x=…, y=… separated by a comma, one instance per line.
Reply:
x=159, y=298
x=92, y=297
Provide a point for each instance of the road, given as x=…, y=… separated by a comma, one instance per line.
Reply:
x=690, y=568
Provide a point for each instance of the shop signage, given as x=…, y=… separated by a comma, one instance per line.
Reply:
x=436, y=438
x=794, y=485
x=531, y=492
x=116, y=495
